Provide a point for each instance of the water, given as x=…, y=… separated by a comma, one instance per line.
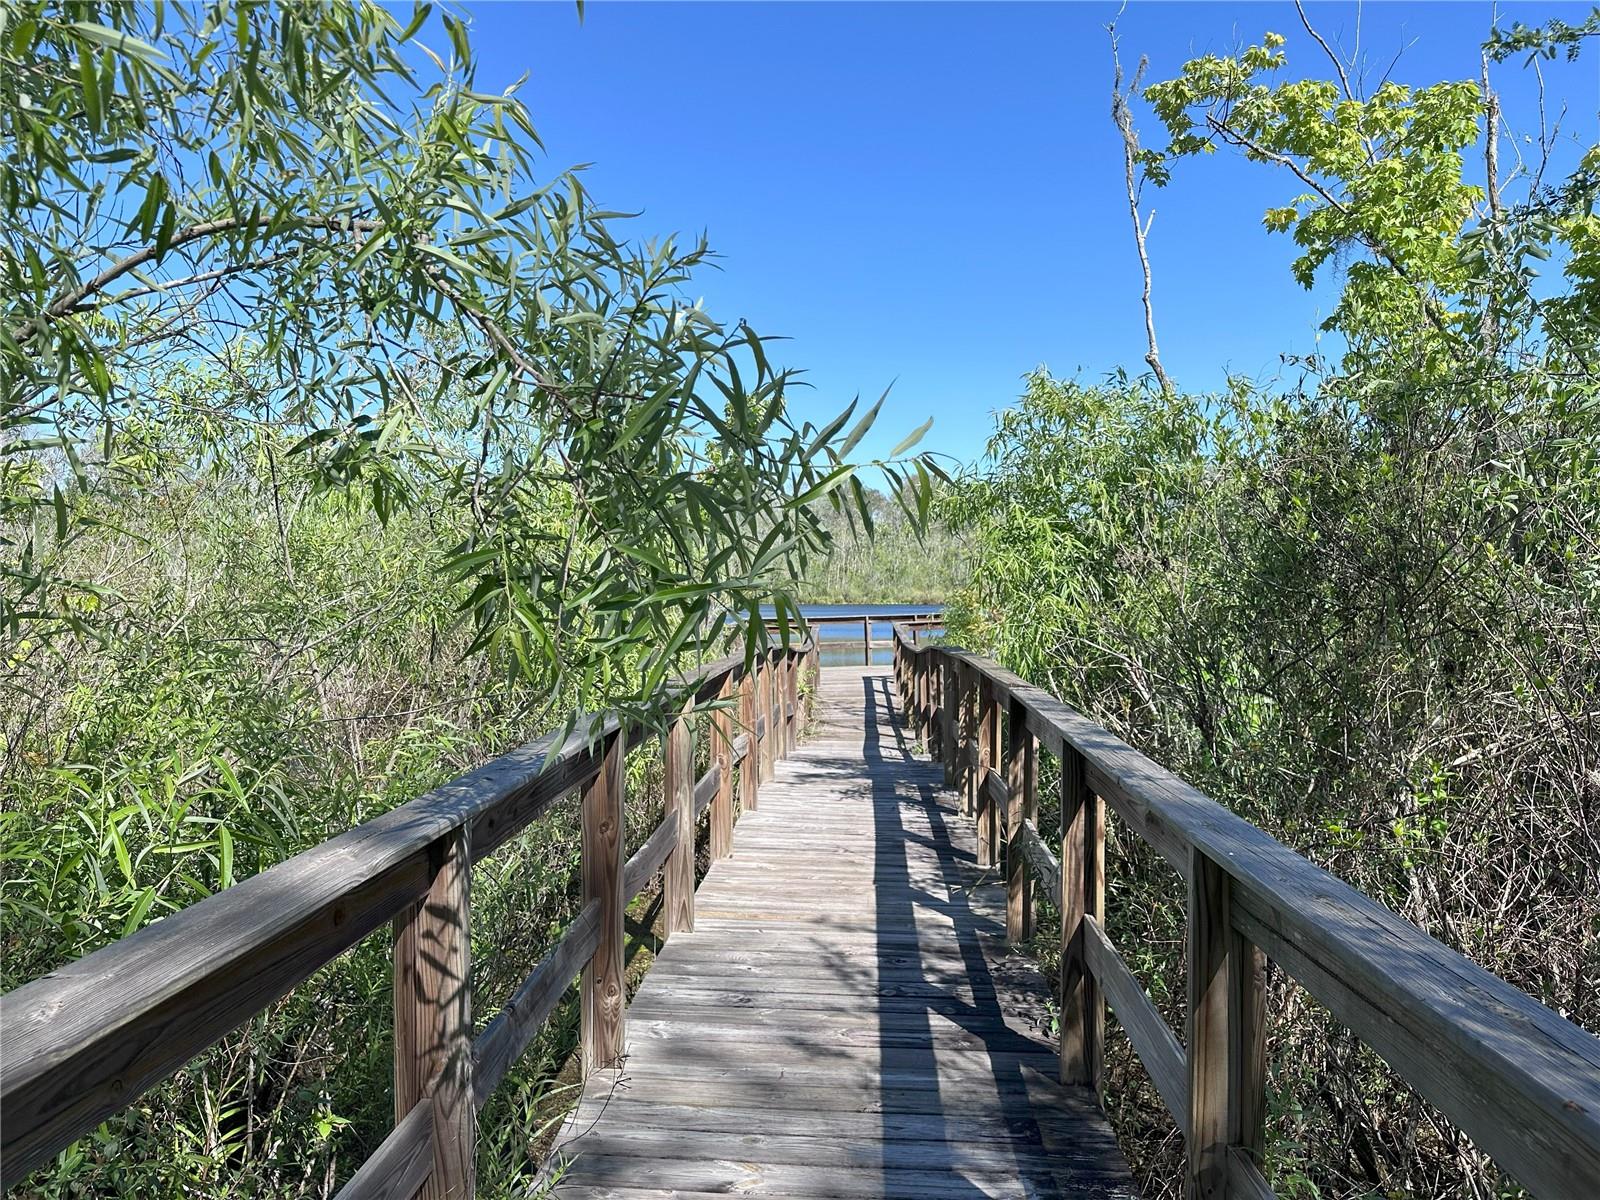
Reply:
x=839, y=645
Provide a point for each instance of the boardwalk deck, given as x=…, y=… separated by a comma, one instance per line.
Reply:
x=846, y=1019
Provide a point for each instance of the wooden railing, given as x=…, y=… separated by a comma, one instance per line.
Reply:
x=85, y=1041
x=915, y=623
x=1520, y=1080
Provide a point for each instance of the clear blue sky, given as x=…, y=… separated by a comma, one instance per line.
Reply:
x=932, y=193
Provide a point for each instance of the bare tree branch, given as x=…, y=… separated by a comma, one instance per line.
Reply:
x=1123, y=116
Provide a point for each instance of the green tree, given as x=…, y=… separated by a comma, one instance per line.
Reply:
x=318, y=203
x=1361, y=609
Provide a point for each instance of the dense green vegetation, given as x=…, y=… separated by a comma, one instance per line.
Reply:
x=895, y=560
x=337, y=453
x=1364, y=610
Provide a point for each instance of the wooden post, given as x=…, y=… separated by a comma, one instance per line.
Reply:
x=930, y=699
x=722, y=747
x=988, y=759
x=949, y=712
x=433, y=1017
x=604, y=988
x=1083, y=1013
x=780, y=688
x=1227, y=1075
x=866, y=637
x=749, y=772
x=1023, y=796
x=969, y=744
x=792, y=700
x=917, y=678
x=816, y=678
x=678, y=879
x=764, y=698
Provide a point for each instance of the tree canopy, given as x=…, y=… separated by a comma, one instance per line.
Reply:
x=253, y=221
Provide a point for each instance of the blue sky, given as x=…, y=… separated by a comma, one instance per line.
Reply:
x=931, y=194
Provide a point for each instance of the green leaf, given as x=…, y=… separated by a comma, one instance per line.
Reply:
x=861, y=427
x=121, y=42
x=911, y=439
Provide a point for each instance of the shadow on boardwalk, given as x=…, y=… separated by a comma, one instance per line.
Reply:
x=846, y=1019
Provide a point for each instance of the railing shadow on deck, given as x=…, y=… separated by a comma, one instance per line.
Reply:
x=1519, y=1079
x=1021, y=1067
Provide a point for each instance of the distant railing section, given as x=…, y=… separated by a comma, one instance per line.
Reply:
x=84, y=1042
x=1520, y=1080
x=915, y=623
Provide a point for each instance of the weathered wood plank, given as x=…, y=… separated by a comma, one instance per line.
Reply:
x=399, y=1167
x=846, y=1019
x=505, y=1038
x=433, y=1019
x=749, y=765
x=726, y=752
x=678, y=822
x=658, y=849
x=1524, y=1085
x=1156, y=1044
x=603, y=986
x=1022, y=810
x=85, y=1041
x=1082, y=895
x=1043, y=865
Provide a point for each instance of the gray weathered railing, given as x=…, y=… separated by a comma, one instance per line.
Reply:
x=1520, y=1080
x=915, y=623
x=85, y=1041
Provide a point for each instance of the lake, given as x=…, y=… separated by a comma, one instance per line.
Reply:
x=840, y=645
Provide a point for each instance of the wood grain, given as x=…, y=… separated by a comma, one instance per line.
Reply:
x=1043, y=866
x=433, y=1019
x=1156, y=1044
x=1521, y=1080
x=678, y=811
x=400, y=1165
x=1022, y=809
x=85, y=1041
x=1082, y=898
x=726, y=753
x=505, y=1038
x=749, y=764
x=603, y=986
x=847, y=1018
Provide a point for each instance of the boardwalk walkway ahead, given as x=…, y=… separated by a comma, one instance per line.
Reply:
x=846, y=1019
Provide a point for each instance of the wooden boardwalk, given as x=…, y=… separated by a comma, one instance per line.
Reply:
x=846, y=1019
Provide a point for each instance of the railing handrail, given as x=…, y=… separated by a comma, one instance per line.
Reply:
x=1517, y=1077
x=933, y=614
x=86, y=1040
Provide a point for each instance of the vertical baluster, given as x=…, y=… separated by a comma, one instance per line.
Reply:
x=774, y=734
x=792, y=700
x=969, y=742
x=678, y=879
x=1227, y=1074
x=770, y=740
x=433, y=1017
x=988, y=759
x=866, y=638
x=1022, y=794
x=1083, y=1014
x=749, y=772
x=722, y=731
x=948, y=712
x=603, y=987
